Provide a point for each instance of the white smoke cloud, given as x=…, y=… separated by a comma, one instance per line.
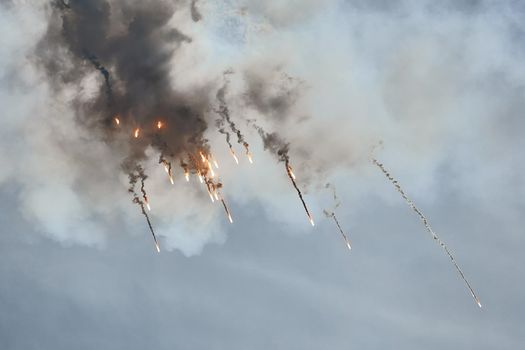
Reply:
x=432, y=85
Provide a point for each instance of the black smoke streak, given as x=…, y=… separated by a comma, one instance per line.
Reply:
x=224, y=112
x=135, y=173
x=276, y=145
x=105, y=73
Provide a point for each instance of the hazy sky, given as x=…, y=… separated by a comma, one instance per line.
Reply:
x=441, y=85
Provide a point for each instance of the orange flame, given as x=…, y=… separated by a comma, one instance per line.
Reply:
x=117, y=120
x=234, y=156
x=137, y=133
x=159, y=125
x=291, y=172
x=203, y=157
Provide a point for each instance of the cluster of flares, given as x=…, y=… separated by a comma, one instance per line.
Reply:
x=205, y=167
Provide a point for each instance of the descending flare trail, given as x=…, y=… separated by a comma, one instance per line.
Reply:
x=141, y=204
x=331, y=214
x=134, y=176
x=227, y=210
x=345, y=238
x=428, y=227
x=292, y=178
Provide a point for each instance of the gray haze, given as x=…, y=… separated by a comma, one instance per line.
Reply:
x=442, y=85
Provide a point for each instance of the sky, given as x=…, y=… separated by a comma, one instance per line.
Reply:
x=440, y=85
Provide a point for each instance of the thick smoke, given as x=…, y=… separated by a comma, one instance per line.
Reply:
x=133, y=42
x=392, y=78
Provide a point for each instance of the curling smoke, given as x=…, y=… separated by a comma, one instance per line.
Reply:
x=136, y=173
x=224, y=113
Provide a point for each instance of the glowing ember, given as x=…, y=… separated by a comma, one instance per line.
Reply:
x=137, y=133
x=234, y=156
x=291, y=172
x=159, y=125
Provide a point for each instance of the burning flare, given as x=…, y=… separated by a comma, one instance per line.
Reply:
x=136, y=174
x=228, y=214
x=428, y=227
x=159, y=125
x=234, y=156
x=137, y=133
x=248, y=153
x=345, y=238
x=117, y=121
x=292, y=178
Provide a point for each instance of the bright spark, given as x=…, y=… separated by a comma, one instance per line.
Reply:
x=291, y=173
x=117, y=120
x=137, y=133
x=234, y=156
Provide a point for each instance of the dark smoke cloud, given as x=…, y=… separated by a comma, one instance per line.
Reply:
x=134, y=43
x=272, y=95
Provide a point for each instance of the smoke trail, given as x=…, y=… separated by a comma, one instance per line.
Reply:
x=292, y=178
x=105, y=73
x=276, y=145
x=167, y=166
x=143, y=177
x=224, y=112
x=331, y=214
x=427, y=226
x=226, y=210
x=134, y=174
